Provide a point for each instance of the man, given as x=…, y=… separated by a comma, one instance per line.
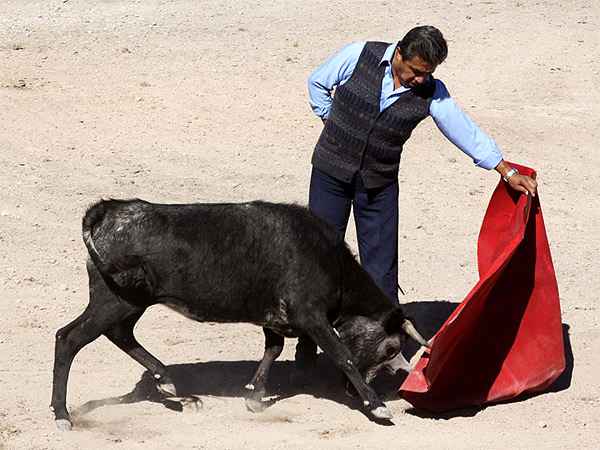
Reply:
x=383, y=91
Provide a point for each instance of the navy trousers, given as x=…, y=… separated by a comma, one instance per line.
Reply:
x=376, y=218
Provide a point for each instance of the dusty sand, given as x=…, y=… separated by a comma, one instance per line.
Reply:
x=182, y=101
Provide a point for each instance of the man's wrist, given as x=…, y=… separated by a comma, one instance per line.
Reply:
x=509, y=174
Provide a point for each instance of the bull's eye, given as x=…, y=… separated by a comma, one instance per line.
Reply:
x=391, y=351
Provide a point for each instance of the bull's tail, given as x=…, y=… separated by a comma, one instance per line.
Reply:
x=92, y=217
x=119, y=265
x=96, y=222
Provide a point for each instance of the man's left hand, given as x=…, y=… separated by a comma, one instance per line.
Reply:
x=518, y=182
x=523, y=183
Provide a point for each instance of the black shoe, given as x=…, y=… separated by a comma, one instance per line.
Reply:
x=306, y=359
x=303, y=371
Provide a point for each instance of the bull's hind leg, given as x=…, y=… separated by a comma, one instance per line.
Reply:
x=256, y=387
x=69, y=341
x=121, y=335
x=104, y=311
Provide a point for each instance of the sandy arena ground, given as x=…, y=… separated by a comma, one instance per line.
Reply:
x=184, y=101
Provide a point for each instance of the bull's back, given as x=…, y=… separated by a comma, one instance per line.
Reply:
x=220, y=262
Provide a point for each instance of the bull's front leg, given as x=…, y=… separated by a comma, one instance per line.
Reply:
x=332, y=345
x=256, y=387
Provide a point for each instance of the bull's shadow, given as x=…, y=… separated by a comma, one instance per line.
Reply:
x=228, y=378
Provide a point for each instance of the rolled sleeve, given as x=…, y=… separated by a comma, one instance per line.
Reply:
x=492, y=157
x=319, y=97
x=336, y=70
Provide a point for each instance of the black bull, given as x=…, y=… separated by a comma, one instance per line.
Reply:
x=274, y=265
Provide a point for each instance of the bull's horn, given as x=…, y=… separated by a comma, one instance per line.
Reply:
x=410, y=330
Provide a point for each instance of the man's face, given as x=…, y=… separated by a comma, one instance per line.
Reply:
x=412, y=72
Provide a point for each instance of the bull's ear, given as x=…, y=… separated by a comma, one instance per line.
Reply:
x=392, y=324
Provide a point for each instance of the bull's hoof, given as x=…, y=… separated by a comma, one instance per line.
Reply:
x=255, y=405
x=167, y=389
x=64, y=424
x=381, y=412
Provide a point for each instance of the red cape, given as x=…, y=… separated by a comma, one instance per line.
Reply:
x=505, y=338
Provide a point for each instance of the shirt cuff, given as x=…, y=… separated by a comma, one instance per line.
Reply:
x=492, y=158
x=320, y=111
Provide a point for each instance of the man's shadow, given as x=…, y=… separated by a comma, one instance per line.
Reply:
x=228, y=378
x=429, y=318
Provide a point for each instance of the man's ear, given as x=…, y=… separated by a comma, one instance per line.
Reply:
x=399, y=53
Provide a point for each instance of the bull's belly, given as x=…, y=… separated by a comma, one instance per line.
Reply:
x=184, y=311
x=275, y=319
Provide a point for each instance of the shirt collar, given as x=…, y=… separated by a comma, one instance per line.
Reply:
x=388, y=54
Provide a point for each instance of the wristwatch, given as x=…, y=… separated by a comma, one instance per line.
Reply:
x=509, y=174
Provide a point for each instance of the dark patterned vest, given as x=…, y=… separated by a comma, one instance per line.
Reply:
x=357, y=136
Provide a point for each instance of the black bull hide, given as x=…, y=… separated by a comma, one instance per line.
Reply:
x=277, y=266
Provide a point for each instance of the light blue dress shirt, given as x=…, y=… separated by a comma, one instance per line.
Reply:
x=449, y=118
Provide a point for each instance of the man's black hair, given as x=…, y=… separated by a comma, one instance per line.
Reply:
x=426, y=42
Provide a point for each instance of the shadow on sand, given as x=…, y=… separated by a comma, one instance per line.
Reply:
x=228, y=378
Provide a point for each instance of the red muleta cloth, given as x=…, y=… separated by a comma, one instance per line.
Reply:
x=505, y=338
